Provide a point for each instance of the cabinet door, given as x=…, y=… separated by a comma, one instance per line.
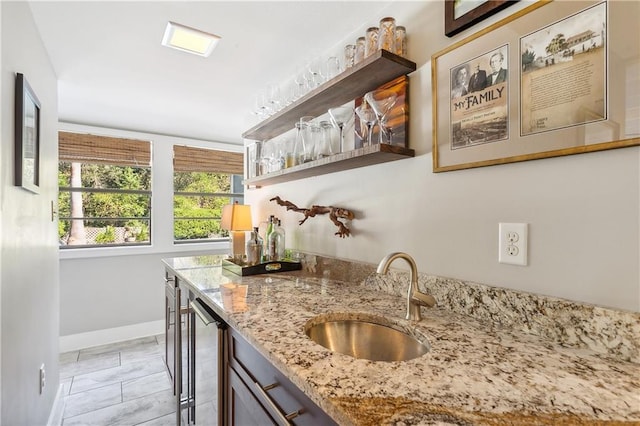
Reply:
x=281, y=398
x=244, y=408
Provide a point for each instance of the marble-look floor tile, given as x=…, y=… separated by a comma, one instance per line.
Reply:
x=206, y=414
x=89, y=365
x=136, y=388
x=66, y=385
x=127, y=413
x=140, y=352
x=121, y=373
x=94, y=399
x=117, y=346
x=168, y=420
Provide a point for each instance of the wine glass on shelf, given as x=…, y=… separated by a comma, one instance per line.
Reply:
x=260, y=106
x=274, y=99
x=341, y=117
x=382, y=100
x=368, y=115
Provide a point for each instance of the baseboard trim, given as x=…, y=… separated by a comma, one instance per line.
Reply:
x=55, y=417
x=89, y=339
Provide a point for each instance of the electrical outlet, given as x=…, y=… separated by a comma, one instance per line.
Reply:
x=42, y=378
x=512, y=243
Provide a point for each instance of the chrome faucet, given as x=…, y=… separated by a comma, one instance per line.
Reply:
x=415, y=298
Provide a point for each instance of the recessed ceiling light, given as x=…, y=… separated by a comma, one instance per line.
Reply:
x=189, y=39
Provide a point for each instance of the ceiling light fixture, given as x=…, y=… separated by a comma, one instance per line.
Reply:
x=189, y=39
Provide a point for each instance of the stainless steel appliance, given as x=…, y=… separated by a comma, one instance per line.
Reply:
x=170, y=326
x=183, y=336
x=208, y=372
x=200, y=376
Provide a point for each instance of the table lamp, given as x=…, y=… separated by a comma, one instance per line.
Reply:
x=236, y=218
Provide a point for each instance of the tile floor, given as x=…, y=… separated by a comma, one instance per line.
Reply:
x=122, y=384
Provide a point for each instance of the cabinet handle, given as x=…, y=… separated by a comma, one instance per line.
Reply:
x=284, y=419
x=169, y=279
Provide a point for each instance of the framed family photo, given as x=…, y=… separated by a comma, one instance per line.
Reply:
x=462, y=14
x=27, y=136
x=552, y=79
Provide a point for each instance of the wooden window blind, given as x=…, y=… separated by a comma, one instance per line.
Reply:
x=190, y=159
x=87, y=148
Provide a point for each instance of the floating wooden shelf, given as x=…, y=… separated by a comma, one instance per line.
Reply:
x=374, y=71
x=375, y=154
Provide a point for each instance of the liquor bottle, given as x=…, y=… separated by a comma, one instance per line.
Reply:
x=275, y=243
x=268, y=232
x=254, y=248
x=280, y=247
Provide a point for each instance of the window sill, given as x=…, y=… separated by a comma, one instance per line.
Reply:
x=218, y=247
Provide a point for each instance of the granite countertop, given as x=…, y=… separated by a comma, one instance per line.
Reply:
x=476, y=372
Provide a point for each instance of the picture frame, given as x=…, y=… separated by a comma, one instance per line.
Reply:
x=462, y=14
x=27, y=136
x=554, y=99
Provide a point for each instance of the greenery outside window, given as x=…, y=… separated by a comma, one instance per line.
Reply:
x=104, y=191
x=204, y=180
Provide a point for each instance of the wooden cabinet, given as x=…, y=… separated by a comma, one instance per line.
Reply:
x=374, y=71
x=260, y=394
x=244, y=409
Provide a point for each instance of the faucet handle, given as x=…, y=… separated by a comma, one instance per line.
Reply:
x=423, y=299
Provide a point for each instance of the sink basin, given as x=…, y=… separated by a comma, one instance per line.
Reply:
x=364, y=336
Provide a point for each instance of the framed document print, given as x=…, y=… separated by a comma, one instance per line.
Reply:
x=552, y=79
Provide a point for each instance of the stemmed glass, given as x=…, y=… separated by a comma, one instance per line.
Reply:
x=367, y=115
x=382, y=100
x=274, y=99
x=341, y=117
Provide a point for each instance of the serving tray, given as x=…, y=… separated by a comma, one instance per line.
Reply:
x=261, y=268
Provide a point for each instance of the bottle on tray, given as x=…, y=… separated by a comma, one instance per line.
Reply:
x=254, y=248
x=276, y=242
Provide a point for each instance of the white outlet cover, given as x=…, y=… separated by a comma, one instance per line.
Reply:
x=512, y=250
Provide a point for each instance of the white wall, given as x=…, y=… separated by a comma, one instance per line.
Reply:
x=583, y=211
x=28, y=244
x=120, y=287
x=2, y=155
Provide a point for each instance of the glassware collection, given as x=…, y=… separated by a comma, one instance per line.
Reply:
x=316, y=71
x=313, y=138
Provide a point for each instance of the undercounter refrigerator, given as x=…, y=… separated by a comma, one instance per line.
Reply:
x=195, y=357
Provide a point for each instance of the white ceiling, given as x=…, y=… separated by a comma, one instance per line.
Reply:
x=113, y=72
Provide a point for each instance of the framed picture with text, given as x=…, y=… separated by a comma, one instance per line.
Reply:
x=552, y=79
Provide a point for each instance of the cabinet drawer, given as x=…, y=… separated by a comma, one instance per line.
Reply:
x=280, y=397
x=244, y=409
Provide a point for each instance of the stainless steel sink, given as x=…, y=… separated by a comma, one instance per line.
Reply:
x=367, y=337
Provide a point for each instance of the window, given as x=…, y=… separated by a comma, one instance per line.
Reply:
x=104, y=191
x=204, y=180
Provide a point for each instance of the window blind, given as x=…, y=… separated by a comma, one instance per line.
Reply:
x=87, y=148
x=190, y=159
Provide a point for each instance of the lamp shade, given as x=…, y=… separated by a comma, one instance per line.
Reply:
x=236, y=217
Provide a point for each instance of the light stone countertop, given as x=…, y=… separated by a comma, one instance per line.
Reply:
x=476, y=372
